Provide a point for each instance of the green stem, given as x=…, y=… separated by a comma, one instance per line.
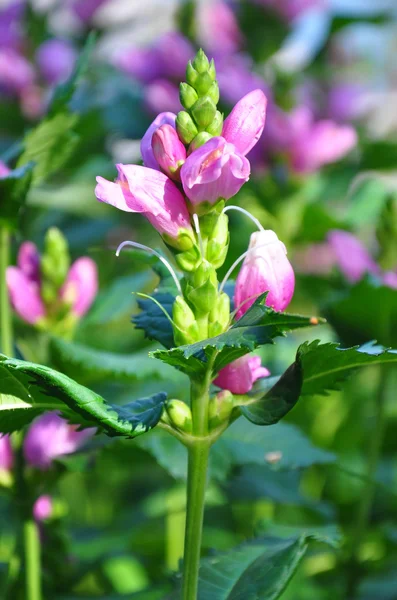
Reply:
x=5, y=309
x=365, y=505
x=32, y=560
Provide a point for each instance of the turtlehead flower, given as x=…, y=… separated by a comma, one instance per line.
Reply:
x=352, y=257
x=168, y=150
x=214, y=171
x=43, y=508
x=151, y=193
x=266, y=268
x=55, y=59
x=239, y=376
x=25, y=296
x=50, y=437
x=244, y=126
x=29, y=261
x=81, y=285
x=6, y=453
x=164, y=118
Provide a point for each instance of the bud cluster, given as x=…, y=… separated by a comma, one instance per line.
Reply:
x=199, y=95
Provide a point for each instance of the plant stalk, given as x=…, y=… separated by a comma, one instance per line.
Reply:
x=32, y=550
x=367, y=498
x=5, y=308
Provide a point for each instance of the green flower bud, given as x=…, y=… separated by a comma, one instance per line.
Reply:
x=180, y=415
x=189, y=259
x=215, y=128
x=220, y=408
x=185, y=127
x=218, y=242
x=204, y=111
x=203, y=84
x=204, y=293
x=213, y=92
x=187, y=95
x=212, y=70
x=219, y=317
x=186, y=329
x=55, y=262
x=200, y=139
x=201, y=62
x=191, y=74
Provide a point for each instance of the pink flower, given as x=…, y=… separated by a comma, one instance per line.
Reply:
x=162, y=95
x=29, y=261
x=86, y=9
x=141, y=63
x=50, y=437
x=6, y=453
x=168, y=150
x=56, y=59
x=316, y=259
x=16, y=73
x=174, y=51
x=217, y=28
x=236, y=78
x=352, y=257
x=215, y=170
x=266, y=268
x=239, y=376
x=4, y=170
x=244, y=126
x=345, y=102
x=390, y=279
x=25, y=296
x=164, y=118
x=81, y=285
x=43, y=508
x=142, y=190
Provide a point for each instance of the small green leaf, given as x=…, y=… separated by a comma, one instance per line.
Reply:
x=13, y=191
x=28, y=389
x=261, y=569
x=152, y=319
x=258, y=326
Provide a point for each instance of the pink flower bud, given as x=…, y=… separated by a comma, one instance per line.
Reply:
x=244, y=126
x=215, y=170
x=56, y=59
x=168, y=150
x=165, y=118
x=4, y=170
x=81, y=285
x=6, y=453
x=151, y=193
x=24, y=296
x=29, y=261
x=352, y=257
x=239, y=376
x=50, y=437
x=266, y=268
x=43, y=508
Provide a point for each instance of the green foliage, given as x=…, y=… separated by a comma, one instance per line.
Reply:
x=263, y=30
x=258, y=326
x=260, y=569
x=13, y=191
x=27, y=390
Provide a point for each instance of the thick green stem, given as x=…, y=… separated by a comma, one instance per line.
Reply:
x=32, y=560
x=5, y=309
x=365, y=505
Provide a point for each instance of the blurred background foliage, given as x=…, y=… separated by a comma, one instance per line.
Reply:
x=117, y=524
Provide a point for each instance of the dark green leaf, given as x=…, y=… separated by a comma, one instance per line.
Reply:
x=261, y=569
x=329, y=534
x=152, y=319
x=258, y=326
x=316, y=222
x=13, y=191
x=28, y=389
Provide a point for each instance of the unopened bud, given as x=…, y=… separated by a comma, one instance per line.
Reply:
x=219, y=317
x=168, y=150
x=191, y=74
x=185, y=127
x=201, y=62
x=186, y=330
x=215, y=128
x=200, y=139
x=187, y=95
x=204, y=291
x=220, y=408
x=204, y=111
x=218, y=242
x=180, y=415
x=213, y=92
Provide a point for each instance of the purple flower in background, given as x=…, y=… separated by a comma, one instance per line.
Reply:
x=239, y=376
x=56, y=59
x=6, y=453
x=316, y=259
x=81, y=285
x=16, y=73
x=43, y=508
x=390, y=279
x=11, y=32
x=86, y=9
x=162, y=95
x=292, y=9
x=352, y=257
x=29, y=261
x=236, y=78
x=141, y=63
x=266, y=268
x=4, y=170
x=217, y=28
x=174, y=51
x=50, y=437
x=345, y=102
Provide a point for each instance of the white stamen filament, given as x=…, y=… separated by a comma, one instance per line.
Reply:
x=236, y=262
x=155, y=253
x=197, y=228
x=246, y=213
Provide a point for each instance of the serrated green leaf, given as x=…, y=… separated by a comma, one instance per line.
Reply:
x=258, y=326
x=28, y=389
x=152, y=319
x=83, y=362
x=13, y=191
x=260, y=569
x=326, y=366
x=49, y=145
x=64, y=92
